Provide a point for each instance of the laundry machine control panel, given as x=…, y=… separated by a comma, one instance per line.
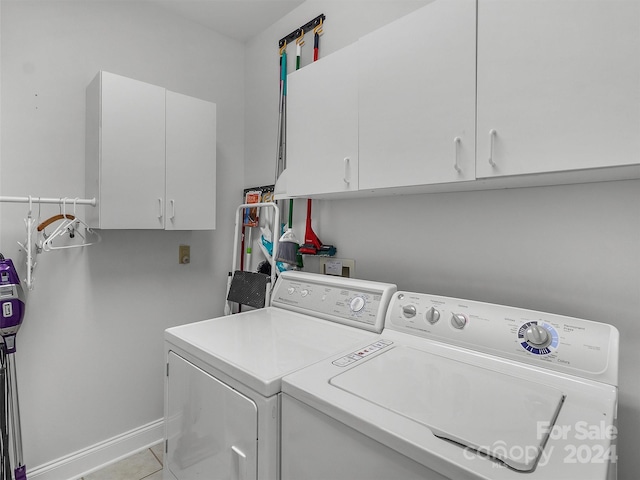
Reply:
x=348, y=301
x=568, y=344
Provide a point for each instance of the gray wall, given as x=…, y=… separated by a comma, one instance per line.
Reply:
x=570, y=250
x=90, y=352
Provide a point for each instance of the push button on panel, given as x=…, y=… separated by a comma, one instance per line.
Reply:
x=362, y=353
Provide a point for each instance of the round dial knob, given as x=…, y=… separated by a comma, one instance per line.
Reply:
x=291, y=290
x=409, y=311
x=458, y=320
x=432, y=315
x=357, y=304
x=537, y=335
x=304, y=292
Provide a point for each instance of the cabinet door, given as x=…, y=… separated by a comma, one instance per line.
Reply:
x=132, y=158
x=190, y=163
x=322, y=126
x=558, y=85
x=212, y=429
x=417, y=98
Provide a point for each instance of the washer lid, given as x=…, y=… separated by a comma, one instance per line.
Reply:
x=499, y=415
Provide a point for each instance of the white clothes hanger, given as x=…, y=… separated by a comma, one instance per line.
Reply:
x=69, y=225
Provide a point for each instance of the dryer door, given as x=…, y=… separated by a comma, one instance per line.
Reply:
x=212, y=430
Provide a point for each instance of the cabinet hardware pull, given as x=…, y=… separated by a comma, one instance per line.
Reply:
x=241, y=462
x=346, y=170
x=456, y=142
x=173, y=209
x=492, y=135
x=160, y=212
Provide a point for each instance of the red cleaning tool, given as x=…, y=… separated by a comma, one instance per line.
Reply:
x=311, y=241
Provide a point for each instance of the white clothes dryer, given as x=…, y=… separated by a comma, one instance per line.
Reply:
x=222, y=390
x=457, y=389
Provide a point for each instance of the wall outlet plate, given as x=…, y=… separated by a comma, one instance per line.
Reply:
x=184, y=254
x=341, y=267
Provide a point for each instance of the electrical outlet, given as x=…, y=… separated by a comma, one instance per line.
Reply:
x=340, y=267
x=184, y=254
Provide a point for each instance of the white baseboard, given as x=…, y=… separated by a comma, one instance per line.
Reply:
x=97, y=456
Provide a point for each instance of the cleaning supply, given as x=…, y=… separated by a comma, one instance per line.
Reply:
x=12, y=308
x=288, y=245
x=281, y=160
x=266, y=237
x=311, y=242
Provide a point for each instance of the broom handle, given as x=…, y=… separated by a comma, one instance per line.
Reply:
x=290, y=212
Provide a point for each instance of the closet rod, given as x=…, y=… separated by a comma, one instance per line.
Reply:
x=57, y=201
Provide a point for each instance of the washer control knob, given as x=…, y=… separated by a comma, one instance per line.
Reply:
x=409, y=311
x=357, y=304
x=458, y=320
x=432, y=315
x=537, y=335
x=291, y=290
x=304, y=292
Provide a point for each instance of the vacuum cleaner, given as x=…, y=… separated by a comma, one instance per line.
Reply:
x=12, y=305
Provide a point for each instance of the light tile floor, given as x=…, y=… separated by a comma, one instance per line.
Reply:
x=146, y=465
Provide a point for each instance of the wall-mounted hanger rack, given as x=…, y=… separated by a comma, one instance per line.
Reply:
x=307, y=27
x=70, y=223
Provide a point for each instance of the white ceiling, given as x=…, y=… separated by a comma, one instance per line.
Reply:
x=238, y=19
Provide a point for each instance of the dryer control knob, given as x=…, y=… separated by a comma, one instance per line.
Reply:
x=537, y=335
x=357, y=304
x=458, y=320
x=409, y=311
x=432, y=315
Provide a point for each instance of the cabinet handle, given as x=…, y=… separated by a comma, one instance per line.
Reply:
x=492, y=135
x=346, y=171
x=160, y=210
x=240, y=462
x=173, y=209
x=456, y=143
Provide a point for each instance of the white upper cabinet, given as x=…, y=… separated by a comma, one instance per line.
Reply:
x=125, y=153
x=416, y=87
x=190, y=163
x=462, y=95
x=322, y=126
x=558, y=85
x=150, y=156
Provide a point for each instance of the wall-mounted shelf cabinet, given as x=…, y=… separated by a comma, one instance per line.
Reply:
x=416, y=87
x=322, y=125
x=556, y=84
x=150, y=156
x=559, y=84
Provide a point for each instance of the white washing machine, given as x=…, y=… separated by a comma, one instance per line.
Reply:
x=456, y=389
x=222, y=390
